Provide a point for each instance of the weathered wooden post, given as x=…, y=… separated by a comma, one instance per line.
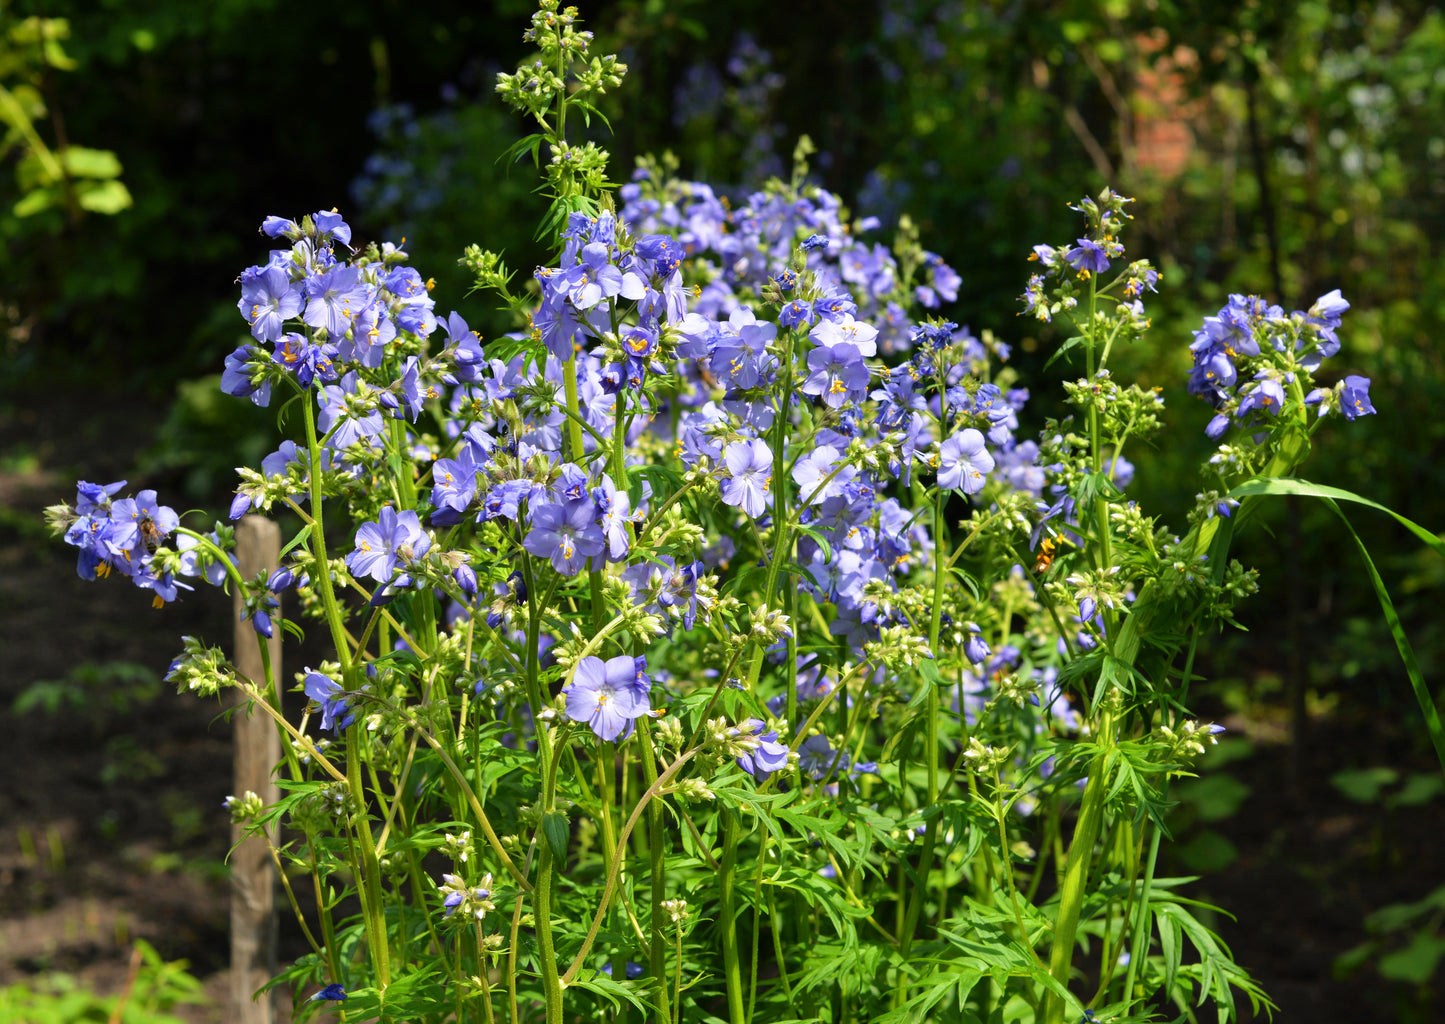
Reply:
x=258, y=749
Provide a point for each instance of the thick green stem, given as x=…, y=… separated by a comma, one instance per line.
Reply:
x=1140, y=946
x=931, y=711
x=652, y=792
x=782, y=525
x=1076, y=871
x=370, y=875
x=727, y=917
x=317, y=537
x=657, y=950
x=542, y=906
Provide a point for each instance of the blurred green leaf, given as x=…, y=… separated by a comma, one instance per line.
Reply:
x=1415, y=963
x=1418, y=789
x=82, y=162
x=1214, y=797
x=1350, y=961
x=1364, y=785
x=1208, y=852
x=102, y=196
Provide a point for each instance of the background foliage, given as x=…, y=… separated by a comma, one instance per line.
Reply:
x=1293, y=146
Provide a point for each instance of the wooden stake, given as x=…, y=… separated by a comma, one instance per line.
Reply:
x=258, y=749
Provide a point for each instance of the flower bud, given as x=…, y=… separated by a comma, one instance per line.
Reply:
x=466, y=579
x=976, y=649
x=240, y=505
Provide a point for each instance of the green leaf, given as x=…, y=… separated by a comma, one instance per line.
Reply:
x=35, y=202
x=554, y=828
x=1072, y=343
x=1208, y=852
x=1418, y=789
x=1170, y=946
x=1214, y=797
x=1280, y=486
x=1351, y=960
x=1415, y=963
x=611, y=990
x=822, y=541
x=1330, y=496
x=528, y=144
x=1412, y=668
x=1363, y=785
x=81, y=162
x=300, y=538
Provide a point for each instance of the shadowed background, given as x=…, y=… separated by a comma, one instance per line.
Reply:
x=1284, y=149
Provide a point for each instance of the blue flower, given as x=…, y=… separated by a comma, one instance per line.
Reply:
x=766, y=755
x=275, y=227
x=306, y=361
x=817, y=757
x=334, y=297
x=615, y=508
x=1267, y=395
x=567, y=535
x=975, y=648
x=267, y=301
x=846, y=330
x=798, y=314
x=92, y=497
x=466, y=349
x=609, y=696
x=385, y=546
x=751, y=466
x=1088, y=257
x=964, y=462
x=662, y=251
x=838, y=374
x=336, y=710
x=810, y=472
x=1355, y=397
x=344, y=422
x=454, y=484
x=663, y=586
x=236, y=378
x=330, y=225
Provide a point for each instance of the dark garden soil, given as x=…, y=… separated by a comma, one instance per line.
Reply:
x=111, y=825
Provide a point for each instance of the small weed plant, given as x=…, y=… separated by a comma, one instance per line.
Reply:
x=714, y=647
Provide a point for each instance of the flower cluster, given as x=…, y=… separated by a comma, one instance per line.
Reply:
x=1249, y=355
x=121, y=535
x=724, y=550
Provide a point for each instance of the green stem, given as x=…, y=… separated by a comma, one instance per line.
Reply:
x=370, y=888
x=782, y=526
x=1076, y=871
x=732, y=967
x=611, y=886
x=1139, y=948
x=317, y=539
x=778, y=954
x=931, y=712
x=542, y=906
x=323, y=912
x=657, y=952
x=13, y=114
x=757, y=926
